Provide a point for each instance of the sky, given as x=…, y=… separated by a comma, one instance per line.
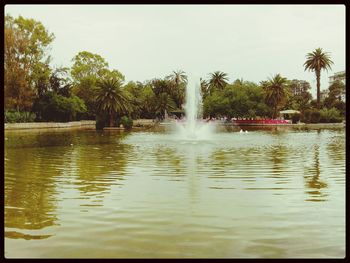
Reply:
x=249, y=42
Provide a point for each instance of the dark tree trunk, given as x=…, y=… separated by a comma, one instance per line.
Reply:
x=318, y=75
x=111, y=120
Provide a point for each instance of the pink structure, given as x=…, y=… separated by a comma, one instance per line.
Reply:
x=261, y=122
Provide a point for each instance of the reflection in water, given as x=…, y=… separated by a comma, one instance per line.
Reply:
x=105, y=167
x=313, y=182
x=30, y=189
x=147, y=194
x=16, y=235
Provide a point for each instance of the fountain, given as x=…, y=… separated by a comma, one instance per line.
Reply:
x=193, y=127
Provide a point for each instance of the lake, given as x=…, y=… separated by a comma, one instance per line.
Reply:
x=268, y=193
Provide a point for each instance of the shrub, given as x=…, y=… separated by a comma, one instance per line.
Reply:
x=295, y=117
x=101, y=120
x=330, y=115
x=19, y=116
x=126, y=122
x=315, y=116
x=311, y=116
x=53, y=107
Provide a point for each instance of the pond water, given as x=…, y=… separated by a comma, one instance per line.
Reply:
x=276, y=193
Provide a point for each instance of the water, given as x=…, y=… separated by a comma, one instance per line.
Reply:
x=276, y=193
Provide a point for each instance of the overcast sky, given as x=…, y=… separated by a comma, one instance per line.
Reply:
x=252, y=42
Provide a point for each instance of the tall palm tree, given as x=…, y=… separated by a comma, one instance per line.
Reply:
x=111, y=98
x=178, y=77
x=178, y=80
x=218, y=80
x=275, y=90
x=316, y=61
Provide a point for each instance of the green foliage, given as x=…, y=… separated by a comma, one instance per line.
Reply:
x=19, y=116
x=315, y=116
x=330, y=115
x=298, y=95
x=243, y=100
x=311, y=116
x=178, y=83
x=276, y=92
x=26, y=61
x=334, y=97
x=111, y=98
x=101, y=121
x=127, y=122
x=295, y=117
x=54, y=107
x=218, y=80
x=87, y=70
x=86, y=64
x=316, y=61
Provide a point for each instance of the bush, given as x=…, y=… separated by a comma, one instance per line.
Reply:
x=53, y=107
x=101, y=120
x=19, y=116
x=126, y=122
x=330, y=115
x=315, y=116
x=305, y=117
x=295, y=117
x=311, y=116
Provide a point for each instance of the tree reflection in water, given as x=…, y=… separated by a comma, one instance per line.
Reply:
x=30, y=196
x=315, y=186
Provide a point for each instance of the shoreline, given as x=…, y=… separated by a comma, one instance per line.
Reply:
x=83, y=124
x=49, y=125
x=143, y=123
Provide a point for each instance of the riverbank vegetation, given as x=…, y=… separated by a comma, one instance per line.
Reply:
x=37, y=91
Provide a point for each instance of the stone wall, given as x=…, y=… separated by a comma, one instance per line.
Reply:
x=46, y=125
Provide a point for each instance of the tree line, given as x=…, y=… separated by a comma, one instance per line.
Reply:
x=90, y=89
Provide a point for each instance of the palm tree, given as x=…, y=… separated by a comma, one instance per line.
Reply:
x=160, y=85
x=111, y=98
x=275, y=90
x=163, y=102
x=178, y=79
x=316, y=61
x=218, y=80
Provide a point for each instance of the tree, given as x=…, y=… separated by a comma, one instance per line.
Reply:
x=275, y=90
x=240, y=99
x=299, y=96
x=178, y=77
x=316, y=61
x=86, y=64
x=218, y=80
x=163, y=102
x=163, y=99
x=60, y=82
x=335, y=95
x=148, y=102
x=54, y=107
x=26, y=61
x=161, y=86
x=204, y=88
x=111, y=98
x=87, y=70
x=179, y=80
